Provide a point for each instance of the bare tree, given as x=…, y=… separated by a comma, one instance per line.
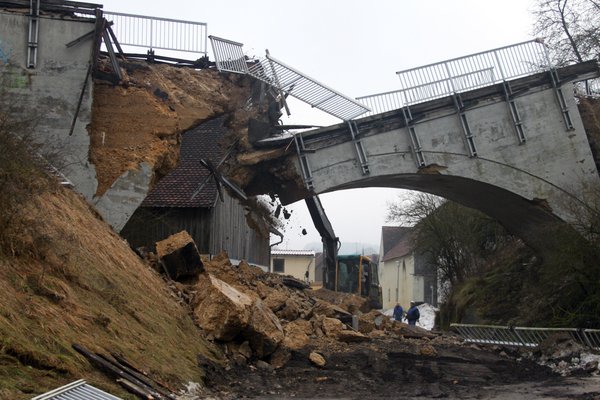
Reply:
x=570, y=28
x=456, y=238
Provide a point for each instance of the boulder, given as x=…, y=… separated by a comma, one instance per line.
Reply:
x=179, y=256
x=264, y=330
x=290, y=310
x=296, y=334
x=222, y=311
x=280, y=357
x=275, y=300
x=332, y=327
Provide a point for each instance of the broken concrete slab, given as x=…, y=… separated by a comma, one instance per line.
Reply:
x=179, y=256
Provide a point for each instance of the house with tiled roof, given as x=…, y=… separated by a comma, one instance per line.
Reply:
x=297, y=263
x=187, y=198
x=405, y=275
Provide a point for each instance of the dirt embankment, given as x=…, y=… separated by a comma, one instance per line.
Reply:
x=71, y=279
x=140, y=120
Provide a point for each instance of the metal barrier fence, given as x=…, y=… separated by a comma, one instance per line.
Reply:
x=229, y=56
x=461, y=74
x=523, y=336
x=159, y=33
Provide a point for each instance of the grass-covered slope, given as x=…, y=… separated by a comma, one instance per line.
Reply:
x=66, y=277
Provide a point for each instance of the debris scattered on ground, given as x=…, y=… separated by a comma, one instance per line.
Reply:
x=565, y=356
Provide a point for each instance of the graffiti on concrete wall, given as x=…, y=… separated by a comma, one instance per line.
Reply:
x=5, y=52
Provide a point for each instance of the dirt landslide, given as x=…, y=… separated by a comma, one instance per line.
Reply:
x=141, y=118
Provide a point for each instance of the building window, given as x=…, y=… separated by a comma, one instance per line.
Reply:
x=278, y=265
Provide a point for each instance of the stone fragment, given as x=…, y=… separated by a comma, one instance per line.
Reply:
x=350, y=336
x=317, y=359
x=245, y=350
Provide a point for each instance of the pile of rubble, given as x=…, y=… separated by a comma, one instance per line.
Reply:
x=565, y=356
x=258, y=316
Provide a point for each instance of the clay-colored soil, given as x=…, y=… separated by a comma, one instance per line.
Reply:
x=141, y=119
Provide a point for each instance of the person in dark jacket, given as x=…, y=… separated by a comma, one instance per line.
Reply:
x=413, y=314
x=398, y=312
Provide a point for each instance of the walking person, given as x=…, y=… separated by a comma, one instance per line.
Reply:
x=398, y=312
x=413, y=314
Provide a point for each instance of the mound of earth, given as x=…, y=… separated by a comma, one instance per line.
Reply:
x=71, y=279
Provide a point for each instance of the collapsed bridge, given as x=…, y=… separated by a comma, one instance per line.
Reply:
x=499, y=131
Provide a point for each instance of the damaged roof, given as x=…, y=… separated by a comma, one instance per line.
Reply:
x=396, y=241
x=178, y=187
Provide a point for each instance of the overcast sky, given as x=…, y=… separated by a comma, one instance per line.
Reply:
x=355, y=47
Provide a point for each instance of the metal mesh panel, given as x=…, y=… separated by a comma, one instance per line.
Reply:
x=77, y=390
x=522, y=336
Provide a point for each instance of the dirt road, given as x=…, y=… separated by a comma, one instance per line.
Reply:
x=391, y=369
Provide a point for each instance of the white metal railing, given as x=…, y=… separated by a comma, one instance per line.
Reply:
x=159, y=33
x=229, y=57
x=523, y=336
x=462, y=74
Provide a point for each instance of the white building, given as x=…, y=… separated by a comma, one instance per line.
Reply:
x=295, y=263
x=404, y=275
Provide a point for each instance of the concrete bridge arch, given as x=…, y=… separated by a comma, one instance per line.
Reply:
x=524, y=184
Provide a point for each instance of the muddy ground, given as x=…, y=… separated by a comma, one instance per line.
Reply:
x=392, y=369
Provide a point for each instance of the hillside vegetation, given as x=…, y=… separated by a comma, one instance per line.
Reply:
x=67, y=278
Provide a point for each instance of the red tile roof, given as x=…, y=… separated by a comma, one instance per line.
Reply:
x=177, y=188
x=396, y=241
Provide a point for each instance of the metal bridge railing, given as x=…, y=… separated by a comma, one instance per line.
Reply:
x=159, y=33
x=523, y=336
x=462, y=74
x=229, y=56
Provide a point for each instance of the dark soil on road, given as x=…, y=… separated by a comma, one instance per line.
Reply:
x=380, y=369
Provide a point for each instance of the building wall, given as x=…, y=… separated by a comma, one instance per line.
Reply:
x=296, y=266
x=47, y=96
x=230, y=231
x=222, y=227
x=397, y=281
